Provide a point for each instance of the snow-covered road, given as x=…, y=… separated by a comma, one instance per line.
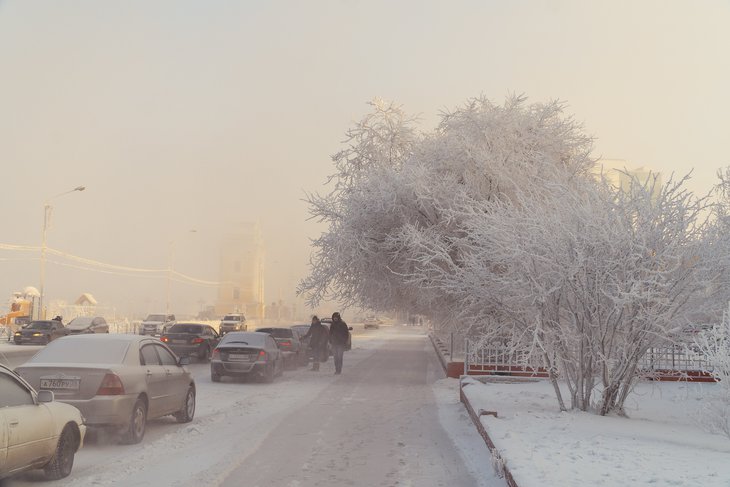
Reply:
x=389, y=419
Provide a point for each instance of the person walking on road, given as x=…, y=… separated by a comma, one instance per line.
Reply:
x=317, y=335
x=339, y=333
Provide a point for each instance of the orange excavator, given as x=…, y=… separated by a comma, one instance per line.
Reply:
x=20, y=311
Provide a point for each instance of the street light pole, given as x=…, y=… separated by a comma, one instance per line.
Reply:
x=46, y=220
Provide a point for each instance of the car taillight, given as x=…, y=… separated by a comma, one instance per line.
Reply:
x=262, y=355
x=164, y=339
x=216, y=353
x=285, y=344
x=111, y=385
x=198, y=340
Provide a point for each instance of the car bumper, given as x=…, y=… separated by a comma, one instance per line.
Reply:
x=185, y=350
x=237, y=368
x=105, y=410
x=20, y=340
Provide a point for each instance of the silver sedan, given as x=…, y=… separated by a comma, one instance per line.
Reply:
x=115, y=380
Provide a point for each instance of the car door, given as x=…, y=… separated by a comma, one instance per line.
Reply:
x=213, y=337
x=29, y=426
x=176, y=379
x=155, y=378
x=3, y=441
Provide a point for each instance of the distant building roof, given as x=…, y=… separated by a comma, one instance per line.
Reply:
x=85, y=299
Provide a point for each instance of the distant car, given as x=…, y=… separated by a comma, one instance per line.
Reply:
x=232, y=322
x=156, y=324
x=289, y=344
x=246, y=354
x=35, y=431
x=371, y=322
x=115, y=380
x=186, y=339
x=87, y=324
x=40, y=332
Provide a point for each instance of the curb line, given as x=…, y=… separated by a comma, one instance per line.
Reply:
x=509, y=479
x=438, y=354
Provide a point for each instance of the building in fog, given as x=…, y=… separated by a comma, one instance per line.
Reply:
x=619, y=173
x=241, y=274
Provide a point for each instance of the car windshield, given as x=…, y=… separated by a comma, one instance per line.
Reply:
x=277, y=332
x=72, y=350
x=185, y=328
x=231, y=318
x=80, y=322
x=301, y=328
x=155, y=318
x=39, y=325
x=247, y=339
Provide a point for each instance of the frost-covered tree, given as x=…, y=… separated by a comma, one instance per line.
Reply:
x=395, y=190
x=494, y=223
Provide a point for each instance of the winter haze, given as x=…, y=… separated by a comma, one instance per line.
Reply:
x=189, y=115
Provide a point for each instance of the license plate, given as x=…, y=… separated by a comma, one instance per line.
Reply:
x=238, y=357
x=179, y=342
x=72, y=384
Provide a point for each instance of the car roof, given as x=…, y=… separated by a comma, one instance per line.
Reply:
x=121, y=337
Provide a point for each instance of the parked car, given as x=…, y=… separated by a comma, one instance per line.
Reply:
x=40, y=332
x=289, y=344
x=87, y=324
x=156, y=324
x=247, y=354
x=36, y=431
x=115, y=380
x=232, y=322
x=302, y=330
x=186, y=339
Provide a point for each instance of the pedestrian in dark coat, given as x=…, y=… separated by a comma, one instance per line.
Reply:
x=339, y=335
x=318, y=336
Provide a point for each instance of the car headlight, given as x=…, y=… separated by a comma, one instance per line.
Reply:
x=17, y=334
x=36, y=334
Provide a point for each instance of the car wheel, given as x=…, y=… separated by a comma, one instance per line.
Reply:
x=63, y=459
x=268, y=376
x=185, y=415
x=137, y=424
x=204, y=354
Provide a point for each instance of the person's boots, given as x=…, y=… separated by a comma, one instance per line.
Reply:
x=315, y=366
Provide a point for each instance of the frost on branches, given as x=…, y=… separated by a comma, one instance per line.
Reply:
x=494, y=224
x=714, y=344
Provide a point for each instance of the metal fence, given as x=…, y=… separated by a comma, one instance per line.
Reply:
x=671, y=361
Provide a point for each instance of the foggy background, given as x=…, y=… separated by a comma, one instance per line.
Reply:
x=195, y=115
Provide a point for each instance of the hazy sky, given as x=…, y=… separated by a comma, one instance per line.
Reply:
x=180, y=115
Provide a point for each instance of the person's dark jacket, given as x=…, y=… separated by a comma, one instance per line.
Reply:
x=339, y=332
x=317, y=335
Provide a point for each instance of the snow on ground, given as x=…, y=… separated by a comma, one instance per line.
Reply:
x=660, y=444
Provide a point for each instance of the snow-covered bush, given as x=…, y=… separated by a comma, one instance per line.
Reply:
x=714, y=344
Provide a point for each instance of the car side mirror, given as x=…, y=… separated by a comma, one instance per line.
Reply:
x=349, y=328
x=45, y=396
x=184, y=361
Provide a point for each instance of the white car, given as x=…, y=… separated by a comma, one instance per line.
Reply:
x=36, y=431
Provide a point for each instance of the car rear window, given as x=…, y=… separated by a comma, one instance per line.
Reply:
x=231, y=318
x=80, y=351
x=277, y=332
x=253, y=339
x=185, y=329
x=80, y=321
